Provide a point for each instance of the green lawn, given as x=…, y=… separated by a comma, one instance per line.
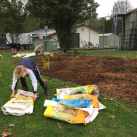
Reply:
x=124, y=123
x=115, y=53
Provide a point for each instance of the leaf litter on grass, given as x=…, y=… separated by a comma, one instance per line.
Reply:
x=11, y=125
x=5, y=134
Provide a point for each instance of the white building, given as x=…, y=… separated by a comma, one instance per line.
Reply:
x=87, y=34
x=84, y=35
x=46, y=35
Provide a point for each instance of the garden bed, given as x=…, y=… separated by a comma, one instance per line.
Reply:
x=115, y=76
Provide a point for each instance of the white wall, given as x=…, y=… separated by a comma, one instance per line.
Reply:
x=8, y=38
x=24, y=38
x=85, y=37
x=38, y=41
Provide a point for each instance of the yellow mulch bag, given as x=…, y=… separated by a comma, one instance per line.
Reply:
x=66, y=113
x=84, y=96
x=21, y=105
x=75, y=90
x=74, y=114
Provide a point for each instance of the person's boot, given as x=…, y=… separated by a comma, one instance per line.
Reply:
x=25, y=88
x=45, y=87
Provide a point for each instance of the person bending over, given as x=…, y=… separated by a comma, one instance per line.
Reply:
x=38, y=49
x=13, y=47
x=27, y=67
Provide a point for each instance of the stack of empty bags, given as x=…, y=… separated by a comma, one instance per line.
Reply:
x=74, y=105
x=21, y=105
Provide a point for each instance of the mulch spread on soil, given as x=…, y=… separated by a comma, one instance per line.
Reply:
x=115, y=76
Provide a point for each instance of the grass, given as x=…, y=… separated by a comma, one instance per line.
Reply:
x=116, y=53
x=124, y=123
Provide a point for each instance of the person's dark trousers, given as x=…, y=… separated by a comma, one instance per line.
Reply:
x=24, y=84
x=17, y=48
x=37, y=73
x=39, y=77
x=44, y=85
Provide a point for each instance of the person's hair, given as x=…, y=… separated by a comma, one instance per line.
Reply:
x=20, y=71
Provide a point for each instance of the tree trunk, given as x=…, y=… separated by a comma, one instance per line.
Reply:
x=64, y=38
x=65, y=50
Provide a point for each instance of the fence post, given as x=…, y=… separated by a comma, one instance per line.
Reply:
x=103, y=35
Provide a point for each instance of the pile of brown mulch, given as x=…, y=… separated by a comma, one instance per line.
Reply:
x=116, y=77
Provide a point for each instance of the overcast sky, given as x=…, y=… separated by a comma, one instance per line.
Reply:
x=106, y=6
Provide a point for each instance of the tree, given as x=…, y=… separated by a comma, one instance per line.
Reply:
x=62, y=15
x=12, y=18
x=2, y=8
x=32, y=24
x=108, y=25
x=99, y=24
x=121, y=6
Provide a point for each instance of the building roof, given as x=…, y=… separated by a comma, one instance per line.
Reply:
x=89, y=26
x=106, y=34
x=133, y=10
x=125, y=13
x=121, y=14
x=43, y=32
x=49, y=32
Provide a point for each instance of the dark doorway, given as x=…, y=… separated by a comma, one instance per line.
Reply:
x=76, y=35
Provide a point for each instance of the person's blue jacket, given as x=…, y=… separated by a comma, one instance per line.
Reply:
x=28, y=63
